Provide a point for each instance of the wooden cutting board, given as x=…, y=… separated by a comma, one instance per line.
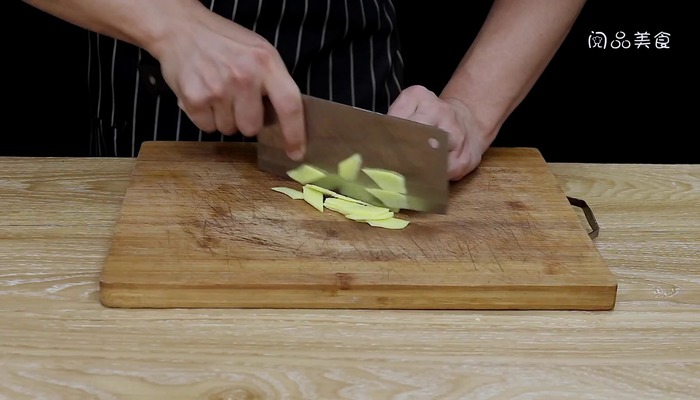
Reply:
x=201, y=227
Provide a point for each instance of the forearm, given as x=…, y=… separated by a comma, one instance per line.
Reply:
x=144, y=23
x=514, y=46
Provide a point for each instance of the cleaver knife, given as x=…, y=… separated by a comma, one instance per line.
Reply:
x=336, y=131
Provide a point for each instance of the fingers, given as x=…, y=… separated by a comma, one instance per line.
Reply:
x=248, y=107
x=404, y=106
x=418, y=104
x=408, y=101
x=211, y=116
x=461, y=163
x=221, y=72
x=457, y=168
x=464, y=159
x=201, y=115
x=227, y=107
x=285, y=97
x=224, y=117
x=232, y=101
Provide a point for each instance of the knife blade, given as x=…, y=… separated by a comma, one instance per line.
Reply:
x=336, y=131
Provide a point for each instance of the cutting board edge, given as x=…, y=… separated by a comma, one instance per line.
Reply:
x=584, y=298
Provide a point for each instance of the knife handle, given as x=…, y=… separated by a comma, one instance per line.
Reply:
x=152, y=77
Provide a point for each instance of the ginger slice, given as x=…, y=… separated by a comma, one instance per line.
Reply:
x=390, y=181
x=351, y=209
x=337, y=195
x=306, y=174
x=359, y=192
x=347, y=207
x=389, y=223
x=352, y=200
x=349, y=168
x=366, y=218
x=292, y=193
x=313, y=197
x=390, y=199
x=330, y=182
x=358, y=212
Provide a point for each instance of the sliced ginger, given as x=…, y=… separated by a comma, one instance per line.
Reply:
x=390, y=199
x=387, y=180
x=337, y=195
x=391, y=223
x=358, y=192
x=330, y=181
x=350, y=208
x=292, y=193
x=306, y=174
x=313, y=197
x=352, y=200
x=349, y=168
x=366, y=218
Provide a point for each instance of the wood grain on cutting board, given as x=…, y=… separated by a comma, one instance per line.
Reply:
x=201, y=227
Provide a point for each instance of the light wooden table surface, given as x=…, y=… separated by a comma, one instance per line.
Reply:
x=58, y=342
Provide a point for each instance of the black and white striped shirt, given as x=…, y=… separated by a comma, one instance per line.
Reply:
x=343, y=50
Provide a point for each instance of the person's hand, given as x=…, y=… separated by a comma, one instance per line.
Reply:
x=220, y=73
x=466, y=139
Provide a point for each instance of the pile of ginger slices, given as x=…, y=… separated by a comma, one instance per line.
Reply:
x=351, y=199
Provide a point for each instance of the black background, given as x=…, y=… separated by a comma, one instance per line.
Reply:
x=590, y=105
